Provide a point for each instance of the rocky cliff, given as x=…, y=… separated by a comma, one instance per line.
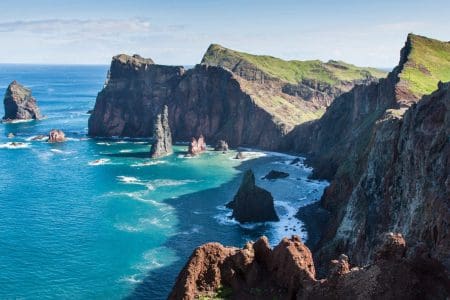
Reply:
x=209, y=99
x=163, y=137
x=287, y=272
x=19, y=104
x=387, y=154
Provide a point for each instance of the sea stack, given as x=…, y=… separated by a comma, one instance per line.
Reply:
x=252, y=203
x=197, y=146
x=56, y=136
x=221, y=146
x=19, y=104
x=162, y=145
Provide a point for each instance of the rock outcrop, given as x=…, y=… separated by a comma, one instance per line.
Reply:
x=287, y=272
x=56, y=136
x=19, y=104
x=196, y=146
x=386, y=150
x=221, y=146
x=252, y=203
x=162, y=145
x=208, y=99
x=274, y=174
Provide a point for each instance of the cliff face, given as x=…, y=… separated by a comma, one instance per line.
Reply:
x=239, y=106
x=19, y=104
x=134, y=94
x=388, y=167
x=313, y=81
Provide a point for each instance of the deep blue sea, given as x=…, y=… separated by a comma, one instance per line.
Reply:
x=97, y=219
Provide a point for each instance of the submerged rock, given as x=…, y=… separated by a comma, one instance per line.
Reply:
x=272, y=175
x=11, y=135
x=252, y=203
x=197, y=146
x=19, y=104
x=221, y=146
x=163, y=137
x=56, y=136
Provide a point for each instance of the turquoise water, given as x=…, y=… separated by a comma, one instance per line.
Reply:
x=97, y=219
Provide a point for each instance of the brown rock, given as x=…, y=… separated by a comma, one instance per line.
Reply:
x=196, y=146
x=56, y=136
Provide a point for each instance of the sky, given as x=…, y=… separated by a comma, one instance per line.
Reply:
x=365, y=33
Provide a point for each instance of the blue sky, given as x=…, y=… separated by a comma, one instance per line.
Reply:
x=368, y=33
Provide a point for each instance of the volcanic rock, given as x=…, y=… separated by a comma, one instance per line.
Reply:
x=56, y=136
x=163, y=138
x=221, y=146
x=287, y=272
x=252, y=203
x=19, y=104
x=239, y=155
x=196, y=146
x=273, y=174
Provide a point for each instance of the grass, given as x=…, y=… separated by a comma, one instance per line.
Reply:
x=428, y=63
x=292, y=71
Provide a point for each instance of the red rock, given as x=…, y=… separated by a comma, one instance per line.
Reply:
x=56, y=136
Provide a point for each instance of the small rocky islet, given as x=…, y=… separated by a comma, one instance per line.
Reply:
x=381, y=142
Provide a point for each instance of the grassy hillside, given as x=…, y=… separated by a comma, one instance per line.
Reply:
x=292, y=71
x=428, y=62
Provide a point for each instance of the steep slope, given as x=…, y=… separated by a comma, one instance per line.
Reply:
x=312, y=80
x=209, y=100
x=388, y=169
x=19, y=104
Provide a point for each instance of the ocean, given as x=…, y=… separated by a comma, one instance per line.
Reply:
x=98, y=219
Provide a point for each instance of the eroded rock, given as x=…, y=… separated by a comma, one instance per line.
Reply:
x=162, y=145
x=19, y=104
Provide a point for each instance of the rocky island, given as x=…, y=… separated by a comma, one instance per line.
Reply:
x=20, y=104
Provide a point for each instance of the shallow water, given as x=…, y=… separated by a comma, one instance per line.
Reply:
x=98, y=219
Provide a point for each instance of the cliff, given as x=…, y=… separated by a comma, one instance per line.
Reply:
x=313, y=81
x=209, y=99
x=19, y=104
x=386, y=152
x=287, y=272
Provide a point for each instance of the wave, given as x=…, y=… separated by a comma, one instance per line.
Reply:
x=14, y=145
x=60, y=151
x=99, y=162
x=126, y=151
x=149, y=163
x=40, y=138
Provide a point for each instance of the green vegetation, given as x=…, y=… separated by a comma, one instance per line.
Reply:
x=292, y=71
x=428, y=62
x=222, y=293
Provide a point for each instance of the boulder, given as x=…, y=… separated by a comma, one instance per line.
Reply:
x=19, y=104
x=56, y=136
x=239, y=155
x=221, y=146
x=163, y=138
x=252, y=203
x=272, y=175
